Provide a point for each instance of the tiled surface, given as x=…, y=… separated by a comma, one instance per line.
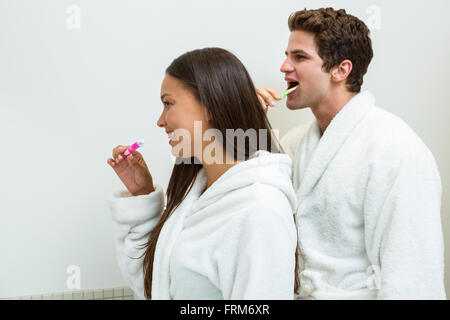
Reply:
x=119, y=293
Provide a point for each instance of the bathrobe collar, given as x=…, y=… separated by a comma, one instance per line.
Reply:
x=263, y=167
x=315, y=153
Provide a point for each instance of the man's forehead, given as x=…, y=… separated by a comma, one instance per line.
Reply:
x=301, y=42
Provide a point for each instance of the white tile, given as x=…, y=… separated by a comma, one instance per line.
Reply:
x=68, y=296
x=58, y=296
x=78, y=295
x=88, y=295
x=98, y=294
x=127, y=291
x=107, y=293
x=118, y=292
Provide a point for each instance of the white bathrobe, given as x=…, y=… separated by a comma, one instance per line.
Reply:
x=368, y=216
x=235, y=241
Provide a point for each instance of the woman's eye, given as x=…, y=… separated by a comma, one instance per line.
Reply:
x=166, y=103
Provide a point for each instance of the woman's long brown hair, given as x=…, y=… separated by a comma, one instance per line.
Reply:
x=220, y=82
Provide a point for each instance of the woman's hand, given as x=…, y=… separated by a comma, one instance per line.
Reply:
x=266, y=97
x=132, y=170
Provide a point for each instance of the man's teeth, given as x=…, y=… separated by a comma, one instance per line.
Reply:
x=170, y=135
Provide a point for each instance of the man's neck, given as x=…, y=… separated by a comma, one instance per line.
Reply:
x=330, y=107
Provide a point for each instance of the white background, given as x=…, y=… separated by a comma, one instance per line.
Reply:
x=67, y=97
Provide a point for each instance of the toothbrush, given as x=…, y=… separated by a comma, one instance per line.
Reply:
x=284, y=94
x=134, y=146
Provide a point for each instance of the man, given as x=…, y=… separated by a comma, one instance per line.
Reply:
x=368, y=188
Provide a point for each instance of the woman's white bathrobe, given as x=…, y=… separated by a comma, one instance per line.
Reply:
x=235, y=241
x=368, y=216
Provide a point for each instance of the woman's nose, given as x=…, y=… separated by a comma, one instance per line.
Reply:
x=161, y=122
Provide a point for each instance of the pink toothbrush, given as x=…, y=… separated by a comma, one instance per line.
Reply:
x=133, y=147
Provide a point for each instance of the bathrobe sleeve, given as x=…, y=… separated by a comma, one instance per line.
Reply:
x=136, y=216
x=403, y=231
x=257, y=257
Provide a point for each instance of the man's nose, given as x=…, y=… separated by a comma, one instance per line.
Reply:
x=287, y=66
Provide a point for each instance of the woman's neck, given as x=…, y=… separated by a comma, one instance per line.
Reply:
x=215, y=170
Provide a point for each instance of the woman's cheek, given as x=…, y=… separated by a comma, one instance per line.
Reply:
x=171, y=118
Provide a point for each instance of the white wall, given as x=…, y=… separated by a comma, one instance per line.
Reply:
x=67, y=97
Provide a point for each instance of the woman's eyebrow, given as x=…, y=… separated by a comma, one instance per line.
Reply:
x=164, y=95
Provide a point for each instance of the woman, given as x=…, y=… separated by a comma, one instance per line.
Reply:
x=227, y=231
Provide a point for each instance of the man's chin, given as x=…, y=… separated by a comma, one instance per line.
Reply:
x=294, y=106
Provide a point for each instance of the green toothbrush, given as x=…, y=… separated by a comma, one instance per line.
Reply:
x=284, y=94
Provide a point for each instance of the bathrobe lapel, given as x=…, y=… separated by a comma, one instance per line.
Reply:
x=167, y=238
x=315, y=153
x=304, y=152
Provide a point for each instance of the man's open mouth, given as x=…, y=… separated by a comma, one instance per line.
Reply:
x=292, y=84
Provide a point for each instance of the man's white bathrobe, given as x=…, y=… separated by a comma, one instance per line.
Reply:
x=368, y=216
x=237, y=240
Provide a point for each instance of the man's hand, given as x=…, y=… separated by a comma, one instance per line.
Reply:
x=266, y=97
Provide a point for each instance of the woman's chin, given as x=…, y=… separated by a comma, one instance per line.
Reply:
x=180, y=153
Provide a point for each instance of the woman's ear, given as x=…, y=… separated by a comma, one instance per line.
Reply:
x=207, y=116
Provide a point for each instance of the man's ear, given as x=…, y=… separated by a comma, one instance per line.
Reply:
x=341, y=72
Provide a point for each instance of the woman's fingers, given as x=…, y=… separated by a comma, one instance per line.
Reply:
x=134, y=158
x=118, y=153
x=111, y=162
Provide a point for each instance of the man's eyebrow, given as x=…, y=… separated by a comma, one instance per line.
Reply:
x=298, y=51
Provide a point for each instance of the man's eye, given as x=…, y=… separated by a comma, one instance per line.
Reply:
x=299, y=57
x=167, y=103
